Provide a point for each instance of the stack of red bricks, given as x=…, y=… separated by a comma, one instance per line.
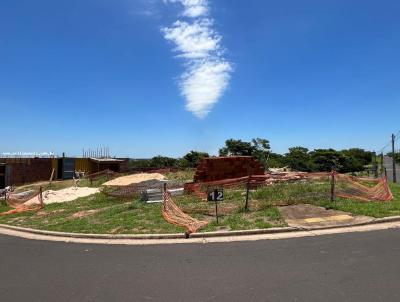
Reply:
x=218, y=168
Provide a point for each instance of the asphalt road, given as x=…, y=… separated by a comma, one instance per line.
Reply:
x=388, y=164
x=345, y=267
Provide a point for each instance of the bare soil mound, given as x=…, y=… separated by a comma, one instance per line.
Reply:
x=133, y=179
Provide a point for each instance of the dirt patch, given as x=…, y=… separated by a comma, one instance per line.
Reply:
x=82, y=214
x=17, y=220
x=64, y=195
x=308, y=216
x=134, y=179
x=116, y=230
x=43, y=213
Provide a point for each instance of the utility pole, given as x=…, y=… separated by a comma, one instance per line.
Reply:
x=393, y=160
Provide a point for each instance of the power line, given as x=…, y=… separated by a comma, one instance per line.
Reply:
x=387, y=145
x=397, y=136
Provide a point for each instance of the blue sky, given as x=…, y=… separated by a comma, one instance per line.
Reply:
x=88, y=73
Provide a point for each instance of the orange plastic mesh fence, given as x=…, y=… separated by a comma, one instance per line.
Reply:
x=174, y=215
x=15, y=199
x=130, y=191
x=109, y=173
x=353, y=188
x=346, y=186
x=20, y=203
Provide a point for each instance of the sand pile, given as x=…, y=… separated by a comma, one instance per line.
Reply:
x=133, y=179
x=64, y=195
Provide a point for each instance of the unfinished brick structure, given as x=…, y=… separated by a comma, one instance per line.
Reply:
x=218, y=168
x=26, y=170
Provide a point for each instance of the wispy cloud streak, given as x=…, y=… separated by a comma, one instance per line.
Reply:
x=199, y=45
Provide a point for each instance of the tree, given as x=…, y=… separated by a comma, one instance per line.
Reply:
x=139, y=163
x=299, y=159
x=328, y=159
x=261, y=150
x=360, y=157
x=258, y=147
x=193, y=157
x=163, y=161
x=276, y=160
x=235, y=147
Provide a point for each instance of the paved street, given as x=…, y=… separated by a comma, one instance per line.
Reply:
x=344, y=267
x=388, y=164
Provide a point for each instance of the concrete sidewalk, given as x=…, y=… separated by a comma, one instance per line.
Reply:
x=306, y=216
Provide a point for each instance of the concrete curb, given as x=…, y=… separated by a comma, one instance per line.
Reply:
x=194, y=235
x=94, y=236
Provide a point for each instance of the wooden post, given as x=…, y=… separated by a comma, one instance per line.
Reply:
x=216, y=204
x=164, y=194
x=41, y=196
x=51, y=177
x=394, y=160
x=333, y=185
x=249, y=172
x=5, y=197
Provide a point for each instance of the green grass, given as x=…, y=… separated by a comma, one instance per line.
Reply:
x=373, y=209
x=184, y=175
x=101, y=214
x=291, y=193
x=95, y=214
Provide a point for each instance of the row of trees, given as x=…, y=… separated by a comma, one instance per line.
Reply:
x=298, y=158
x=190, y=160
x=302, y=159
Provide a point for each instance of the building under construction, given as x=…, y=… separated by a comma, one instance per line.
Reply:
x=17, y=171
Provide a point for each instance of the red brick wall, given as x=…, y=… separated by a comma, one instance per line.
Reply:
x=29, y=170
x=217, y=168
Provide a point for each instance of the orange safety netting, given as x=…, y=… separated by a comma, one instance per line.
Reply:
x=364, y=189
x=94, y=176
x=174, y=215
x=346, y=186
x=23, y=203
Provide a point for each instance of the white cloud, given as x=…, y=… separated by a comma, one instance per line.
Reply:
x=193, y=40
x=203, y=84
x=208, y=73
x=192, y=8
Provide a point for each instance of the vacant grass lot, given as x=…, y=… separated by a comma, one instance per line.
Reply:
x=101, y=214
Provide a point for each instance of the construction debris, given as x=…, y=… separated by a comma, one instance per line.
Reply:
x=219, y=168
